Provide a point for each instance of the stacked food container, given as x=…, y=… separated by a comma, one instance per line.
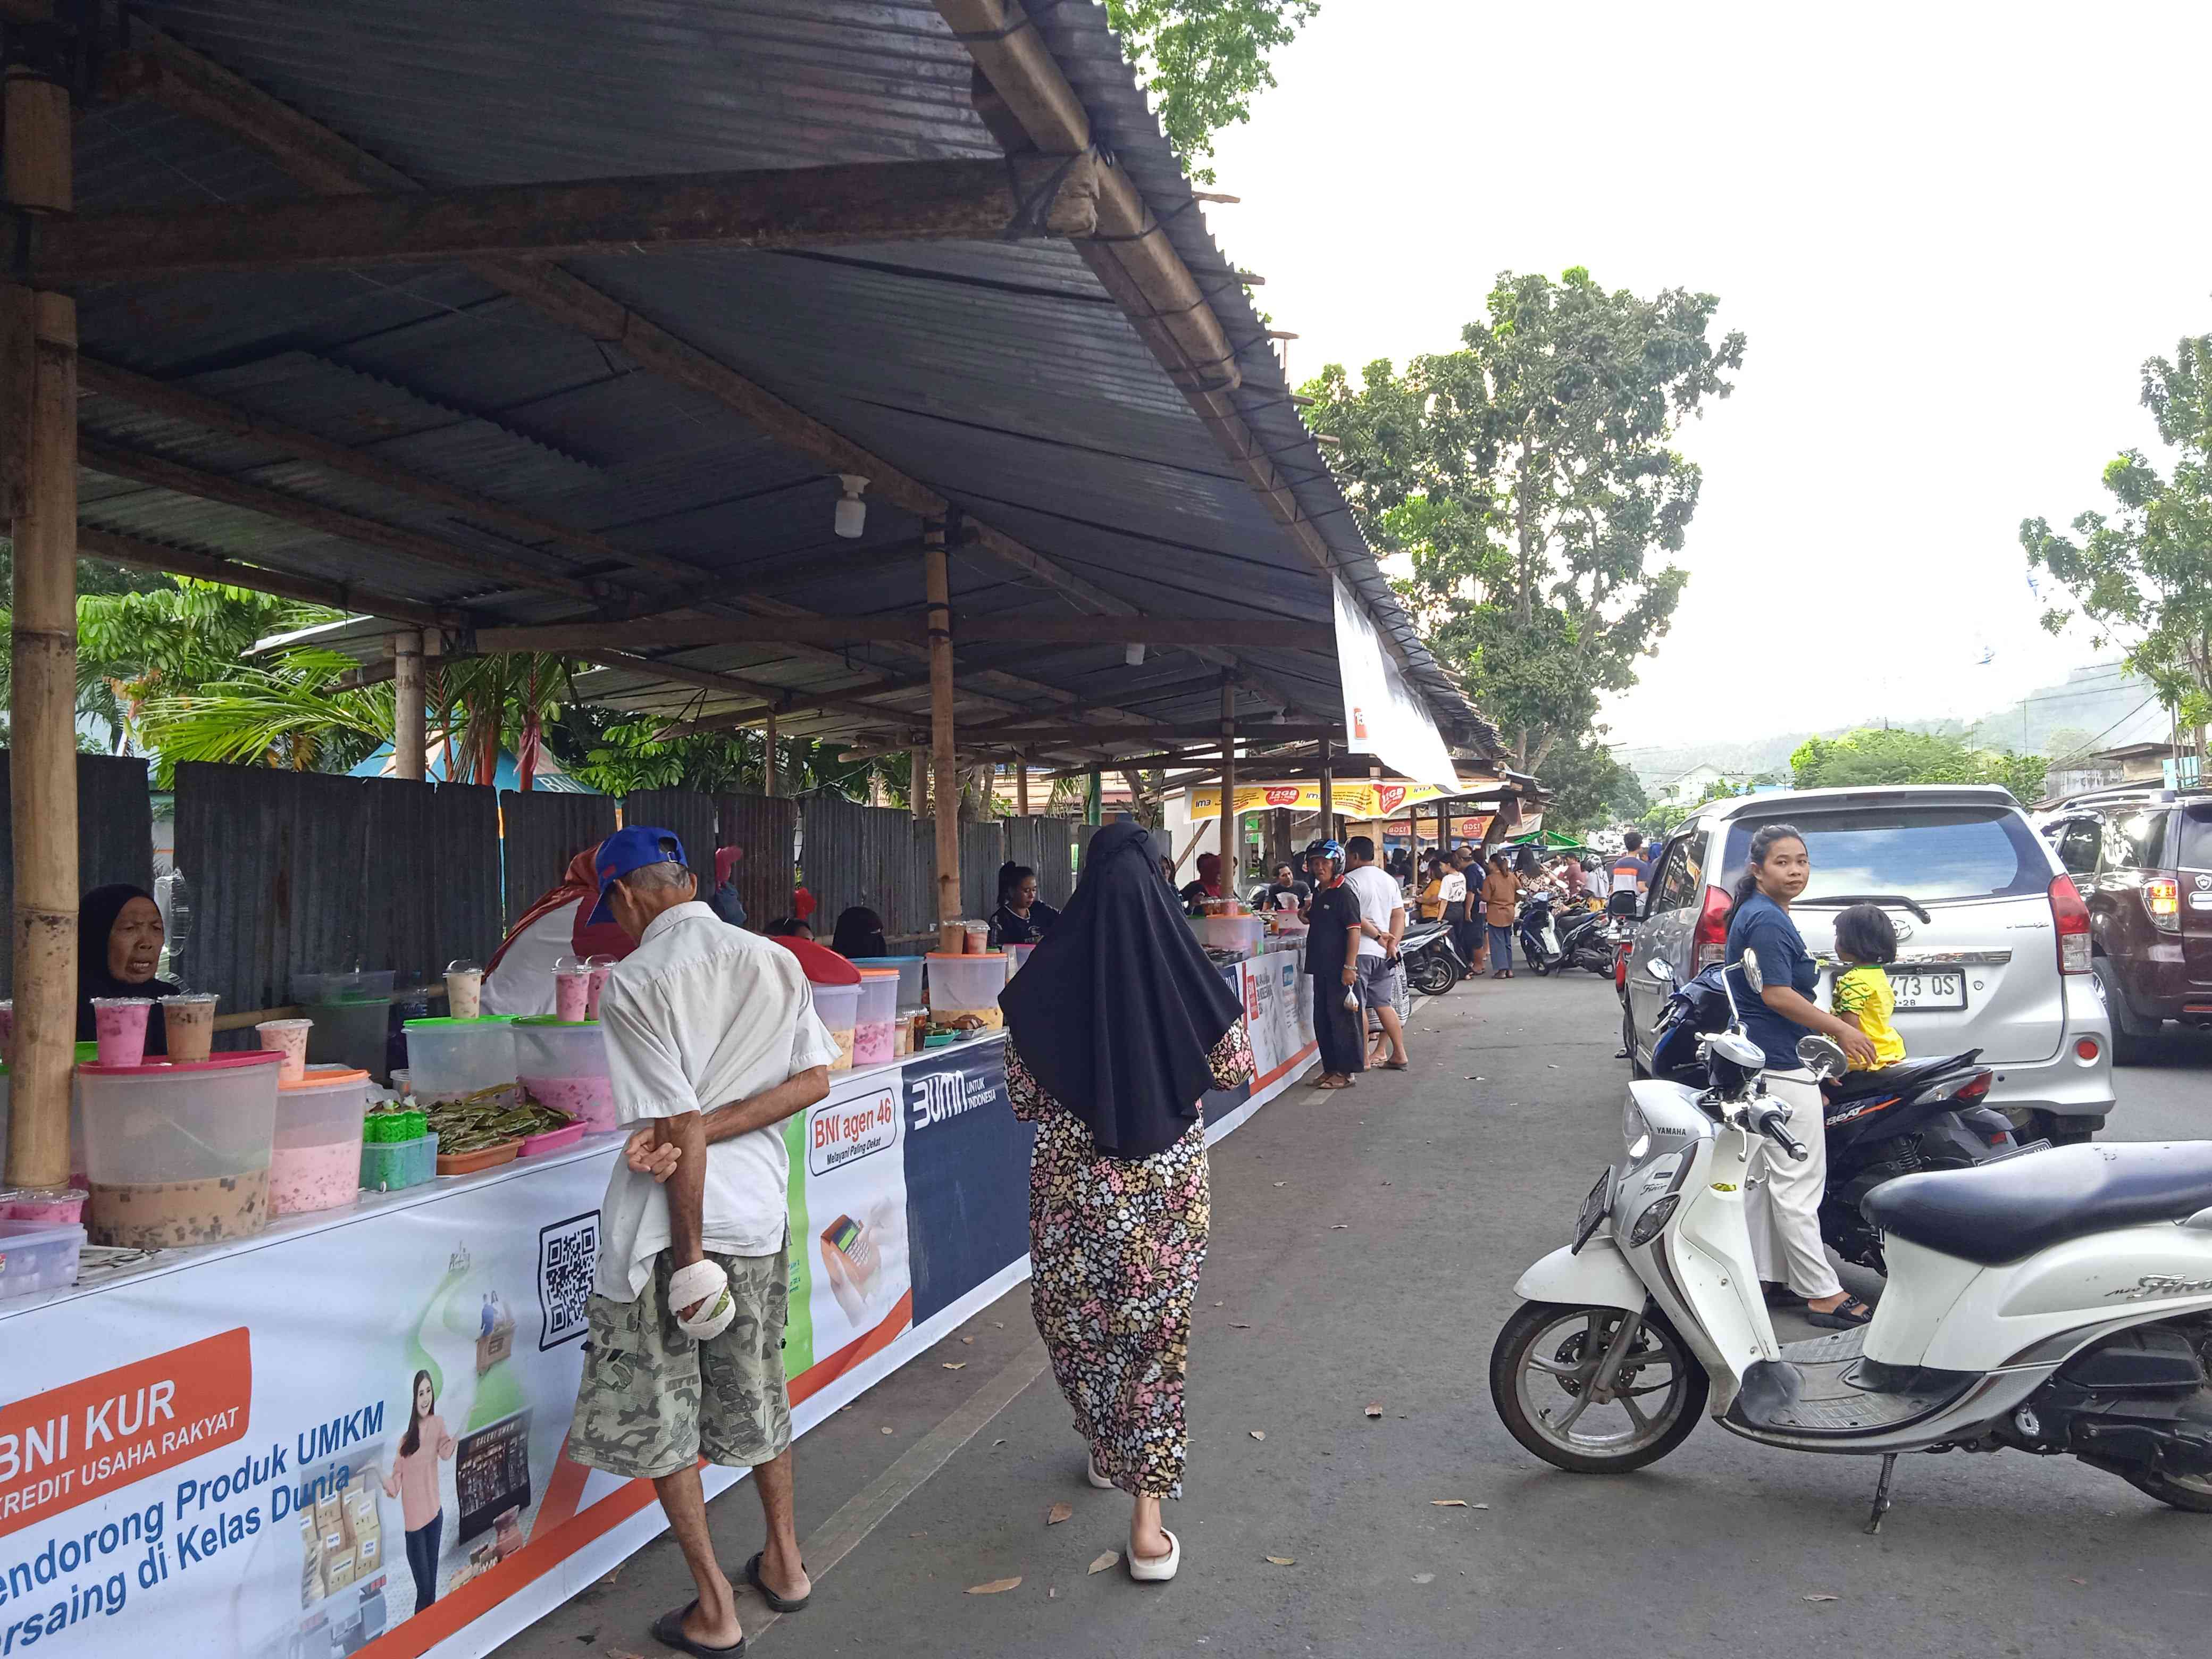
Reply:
x=910, y=1004
x=316, y=1163
x=449, y=1058
x=397, y=1149
x=875, y=1034
x=352, y=1015
x=963, y=985
x=563, y=1064
x=179, y=1154
x=839, y=1006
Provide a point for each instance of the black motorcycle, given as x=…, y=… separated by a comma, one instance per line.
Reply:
x=1586, y=940
x=1538, y=934
x=1432, y=961
x=1895, y=1120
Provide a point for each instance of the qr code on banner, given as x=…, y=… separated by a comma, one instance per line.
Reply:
x=568, y=1255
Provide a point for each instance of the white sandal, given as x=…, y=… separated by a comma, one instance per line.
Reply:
x=1160, y=1568
x=1091, y=1468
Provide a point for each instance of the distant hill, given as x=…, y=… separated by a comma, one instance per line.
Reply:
x=2093, y=707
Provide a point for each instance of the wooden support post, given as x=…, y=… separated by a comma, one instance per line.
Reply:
x=1094, y=803
x=917, y=781
x=1327, y=796
x=40, y=355
x=1232, y=871
x=936, y=585
x=1021, y=786
x=768, y=756
x=409, y=731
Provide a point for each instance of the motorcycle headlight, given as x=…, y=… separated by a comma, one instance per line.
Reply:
x=1653, y=1219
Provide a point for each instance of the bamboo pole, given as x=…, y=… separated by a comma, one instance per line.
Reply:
x=1231, y=871
x=917, y=781
x=937, y=580
x=43, y=738
x=1021, y=786
x=768, y=756
x=410, y=718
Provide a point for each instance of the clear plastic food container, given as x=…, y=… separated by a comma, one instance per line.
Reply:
x=1242, y=934
x=179, y=1154
x=393, y=1165
x=563, y=1065
x=316, y=1163
x=449, y=1058
x=963, y=985
x=838, y=1004
x=1018, y=957
x=874, y=1023
x=37, y=1255
x=909, y=973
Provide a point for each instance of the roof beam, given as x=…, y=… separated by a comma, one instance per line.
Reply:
x=172, y=74
x=766, y=209
x=117, y=548
x=678, y=631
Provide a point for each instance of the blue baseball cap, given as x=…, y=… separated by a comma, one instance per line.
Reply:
x=627, y=850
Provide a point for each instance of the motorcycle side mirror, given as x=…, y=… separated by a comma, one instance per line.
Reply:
x=1660, y=971
x=1823, y=1057
x=1751, y=976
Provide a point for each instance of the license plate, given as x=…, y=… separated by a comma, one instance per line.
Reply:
x=1917, y=990
x=1595, y=1208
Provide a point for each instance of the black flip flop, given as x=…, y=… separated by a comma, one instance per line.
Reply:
x=781, y=1604
x=1846, y=1315
x=668, y=1630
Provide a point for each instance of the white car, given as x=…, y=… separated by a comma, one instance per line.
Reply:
x=1993, y=939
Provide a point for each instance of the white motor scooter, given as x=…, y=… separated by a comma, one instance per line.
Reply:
x=2057, y=1301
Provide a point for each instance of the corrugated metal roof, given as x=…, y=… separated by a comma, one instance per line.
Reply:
x=1001, y=375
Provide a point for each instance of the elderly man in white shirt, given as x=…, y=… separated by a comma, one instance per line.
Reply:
x=712, y=1042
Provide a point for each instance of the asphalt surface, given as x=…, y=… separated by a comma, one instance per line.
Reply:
x=1365, y=1247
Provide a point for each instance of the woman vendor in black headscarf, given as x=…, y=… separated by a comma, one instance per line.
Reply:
x=1116, y=1027
x=860, y=935
x=119, y=946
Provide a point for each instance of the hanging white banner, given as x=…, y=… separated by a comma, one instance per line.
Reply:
x=1380, y=712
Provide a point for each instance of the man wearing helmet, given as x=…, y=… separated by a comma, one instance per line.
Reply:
x=1333, y=960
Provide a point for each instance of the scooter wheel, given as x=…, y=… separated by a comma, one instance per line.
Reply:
x=1542, y=1370
x=1432, y=975
x=2184, y=1492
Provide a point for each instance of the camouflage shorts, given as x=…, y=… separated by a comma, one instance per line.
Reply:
x=653, y=1399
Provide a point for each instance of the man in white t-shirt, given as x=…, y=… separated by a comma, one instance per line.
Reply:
x=712, y=1042
x=1382, y=925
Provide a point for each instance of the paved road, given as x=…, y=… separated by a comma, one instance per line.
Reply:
x=1364, y=1249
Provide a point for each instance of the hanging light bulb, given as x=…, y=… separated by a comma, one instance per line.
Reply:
x=1134, y=655
x=852, y=511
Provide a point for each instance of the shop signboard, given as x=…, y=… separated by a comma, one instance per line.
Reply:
x=1350, y=798
x=1384, y=716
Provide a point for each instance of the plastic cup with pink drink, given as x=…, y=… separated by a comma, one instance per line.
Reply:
x=600, y=967
x=288, y=1038
x=464, y=990
x=572, y=991
x=119, y=1024
x=189, y=1020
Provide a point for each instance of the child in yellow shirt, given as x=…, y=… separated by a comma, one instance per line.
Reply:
x=1866, y=940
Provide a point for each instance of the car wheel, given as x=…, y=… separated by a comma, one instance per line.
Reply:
x=2131, y=1038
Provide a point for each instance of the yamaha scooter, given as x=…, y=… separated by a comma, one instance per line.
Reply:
x=2058, y=1303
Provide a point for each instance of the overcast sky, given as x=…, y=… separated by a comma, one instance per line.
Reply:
x=1952, y=233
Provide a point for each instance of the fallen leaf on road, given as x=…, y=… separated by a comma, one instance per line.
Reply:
x=997, y=1442
x=1282, y=1184
x=997, y=1324
x=2077, y=1581
x=887, y=1428
x=956, y=1365
x=1217, y=1304
x=1823, y=1597
x=1449, y=1502
x=970, y=1341
x=1374, y=1408
x=1053, y=1594
x=1110, y=1559
x=1282, y=1561
x=1425, y=1579
x=1058, y=1513
x=1340, y=1226
x=1480, y=1506
x=1259, y=1434
x=918, y=1534
x=1239, y=1327
x=996, y=1586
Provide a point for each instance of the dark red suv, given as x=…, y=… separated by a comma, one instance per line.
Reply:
x=2145, y=867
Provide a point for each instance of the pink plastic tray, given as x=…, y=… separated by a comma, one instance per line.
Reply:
x=553, y=1140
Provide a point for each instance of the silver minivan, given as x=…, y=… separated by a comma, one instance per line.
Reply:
x=1993, y=939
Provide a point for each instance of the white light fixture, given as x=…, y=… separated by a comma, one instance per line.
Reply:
x=1134, y=654
x=852, y=511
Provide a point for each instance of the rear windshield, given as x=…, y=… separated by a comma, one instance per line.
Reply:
x=1923, y=853
x=2195, y=853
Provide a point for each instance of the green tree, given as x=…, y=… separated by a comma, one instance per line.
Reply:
x=1588, y=788
x=2143, y=575
x=1875, y=754
x=1202, y=61
x=2067, y=741
x=1529, y=476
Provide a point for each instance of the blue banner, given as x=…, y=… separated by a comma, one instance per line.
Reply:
x=967, y=1174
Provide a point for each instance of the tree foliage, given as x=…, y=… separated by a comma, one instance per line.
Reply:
x=1876, y=755
x=1589, y=788
x=1529, y=476
x=1202, y=61
x=2142, y=574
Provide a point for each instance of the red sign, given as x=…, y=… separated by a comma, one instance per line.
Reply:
x=69, y=1444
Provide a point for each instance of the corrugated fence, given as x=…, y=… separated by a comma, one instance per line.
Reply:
x=768, y=829
x=877, y=856
x=114, y=833
x=542, y=832
x=1047, y=845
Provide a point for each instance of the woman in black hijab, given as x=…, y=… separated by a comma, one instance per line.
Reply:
x=119, y=946
x=860, y=935
x=1116, y=1028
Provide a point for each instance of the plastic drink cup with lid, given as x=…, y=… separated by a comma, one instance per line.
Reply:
x=978, y=938
x=572, y=991
x=119, y=1026
x=189, y=1021
x=600, y=967
x=286, y=1038
x=464, y=990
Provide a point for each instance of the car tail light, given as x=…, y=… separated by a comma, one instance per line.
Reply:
x=1710, y=942
x=2161, y=899
x=2087, y=1049
x=2073, y=919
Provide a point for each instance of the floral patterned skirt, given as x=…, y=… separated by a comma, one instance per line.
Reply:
x=1115, y=1250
